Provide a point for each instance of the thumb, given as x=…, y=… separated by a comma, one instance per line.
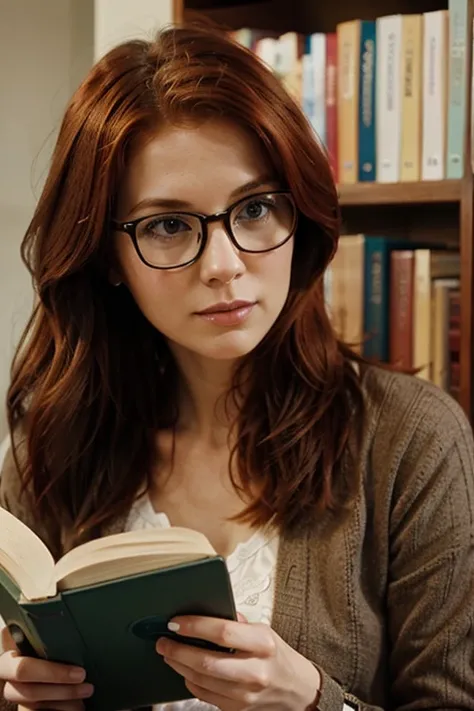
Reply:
x=7, y=643
x=241, y=617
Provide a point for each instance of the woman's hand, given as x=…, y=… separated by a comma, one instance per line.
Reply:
x=264, y=672
x=39, y=684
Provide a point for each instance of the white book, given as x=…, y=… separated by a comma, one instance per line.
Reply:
x=267, y=50
x=435, y=64
x=318, y=58
x=389, y=98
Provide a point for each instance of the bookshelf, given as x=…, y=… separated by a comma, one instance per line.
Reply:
x=422, y=193
x=416, y=208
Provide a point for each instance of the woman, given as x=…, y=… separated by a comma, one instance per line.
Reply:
x=180, y=367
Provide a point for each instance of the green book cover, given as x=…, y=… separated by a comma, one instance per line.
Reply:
x=457, y=83
x=110, y=628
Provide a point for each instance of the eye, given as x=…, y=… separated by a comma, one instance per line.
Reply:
x=254, y=210
x=164, y=227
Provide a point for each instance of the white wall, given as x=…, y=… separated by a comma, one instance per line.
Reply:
x=119, y=20
x=45, y=48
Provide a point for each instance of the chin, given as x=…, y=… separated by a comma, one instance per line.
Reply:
x=229, y=346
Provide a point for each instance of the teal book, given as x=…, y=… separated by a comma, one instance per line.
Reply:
x=377, y=295
x=105, y=603
x=367, y=89
x=457, y=87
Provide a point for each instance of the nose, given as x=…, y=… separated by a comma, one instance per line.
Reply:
x=221, y=261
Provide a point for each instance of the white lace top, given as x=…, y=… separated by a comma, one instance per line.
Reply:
x=252, y=573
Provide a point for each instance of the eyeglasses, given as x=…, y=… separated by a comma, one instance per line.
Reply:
x=255, y=224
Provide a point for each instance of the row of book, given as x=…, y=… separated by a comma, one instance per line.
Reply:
x=399, y=303
x=386, y=97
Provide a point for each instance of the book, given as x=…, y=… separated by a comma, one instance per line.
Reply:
x=412, y=44
x=435, y=63
x=429, y=265
x=331, y=102
x=457, y=87
x=389, y=98
x=347, y=290
x=290, y=47
x=104, y=604
x=377, y=291
x=440, y=330
x=348, y=60
x=401, y=308
x=366, y=172
x=317, y=59
x=454, y=342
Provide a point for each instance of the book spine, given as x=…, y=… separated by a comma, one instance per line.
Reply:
x=308, y=85
x=440, y=317
x=412, y=43
x=57, y=630
x=290, y=52
x=318, y=59
x=401, y=309
x=389, y=37
x=348, y=38
x=367, y=102
x=375, y=300
x=331, y=103
x=454, y=342
x=266, y=49
x=422, y=314
x=434, y=95
x=458, y=38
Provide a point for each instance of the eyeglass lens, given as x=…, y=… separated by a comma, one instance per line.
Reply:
x=259, y=223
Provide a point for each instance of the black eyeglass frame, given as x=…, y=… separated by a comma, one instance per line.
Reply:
x=130, y=228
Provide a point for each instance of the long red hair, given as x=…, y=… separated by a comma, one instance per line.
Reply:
x=93, y=381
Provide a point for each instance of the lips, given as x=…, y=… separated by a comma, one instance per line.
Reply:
x=229, y=314
x=226, y=306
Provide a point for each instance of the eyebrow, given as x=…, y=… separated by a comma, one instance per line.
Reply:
x=184, y=205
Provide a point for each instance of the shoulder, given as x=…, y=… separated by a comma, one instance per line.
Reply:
x=400, y=407
x=418, y=442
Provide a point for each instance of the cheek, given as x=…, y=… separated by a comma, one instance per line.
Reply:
x=153, y=290
x=276, y=272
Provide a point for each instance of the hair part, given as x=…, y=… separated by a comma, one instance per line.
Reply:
x=93, y=381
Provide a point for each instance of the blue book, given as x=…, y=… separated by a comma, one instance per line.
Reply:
x=458, y=71
x=308, y=93
x=367, y=89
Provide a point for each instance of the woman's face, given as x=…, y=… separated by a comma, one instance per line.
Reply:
x=203, y=169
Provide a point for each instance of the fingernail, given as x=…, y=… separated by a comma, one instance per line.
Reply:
x=173, y=626
x=77, y=674
x=86, y=691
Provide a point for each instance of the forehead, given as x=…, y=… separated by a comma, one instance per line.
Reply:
x=213, y=158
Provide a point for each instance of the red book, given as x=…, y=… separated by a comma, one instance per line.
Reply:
x=454, y=342
x=401, y=308
x=331, y=101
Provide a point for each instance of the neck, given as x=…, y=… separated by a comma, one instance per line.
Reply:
x=204, y=409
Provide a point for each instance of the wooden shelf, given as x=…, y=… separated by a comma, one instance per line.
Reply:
x=443, y=191
x=218, y=4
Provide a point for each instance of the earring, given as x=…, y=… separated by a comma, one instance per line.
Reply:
x=117, y=283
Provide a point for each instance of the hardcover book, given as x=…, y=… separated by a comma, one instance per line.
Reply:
x=104, y=604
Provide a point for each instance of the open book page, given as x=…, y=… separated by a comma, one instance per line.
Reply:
x=25, y=558
x=130, y=553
